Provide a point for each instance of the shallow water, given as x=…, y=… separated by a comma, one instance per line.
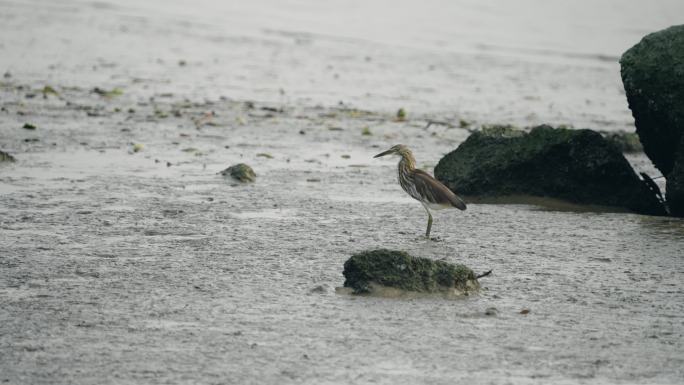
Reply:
x=126, y=267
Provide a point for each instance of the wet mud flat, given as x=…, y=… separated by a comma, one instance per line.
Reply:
x=125, y=257
x=129, y=263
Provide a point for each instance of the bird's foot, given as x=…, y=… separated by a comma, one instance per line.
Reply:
x=431, y=239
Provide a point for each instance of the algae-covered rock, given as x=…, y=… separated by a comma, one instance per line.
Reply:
x=653, y=75
x=366, y=271
x=578, y=166
x=503, y=130
x=241, y=172
x=5, y=157
x=627, y=142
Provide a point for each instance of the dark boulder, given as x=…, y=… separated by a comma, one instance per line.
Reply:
x=653, y=75
x=368, y=271
x=674, y=188
x=577, y=166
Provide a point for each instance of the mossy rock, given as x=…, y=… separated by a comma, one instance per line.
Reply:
x=577, y=166
x=653, y=76
x=241, y=172
x=502, y=130
x=5, y=157
x=627, y=142
x=368, y=270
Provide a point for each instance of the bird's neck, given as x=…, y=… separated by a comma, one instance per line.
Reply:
x=407, y=162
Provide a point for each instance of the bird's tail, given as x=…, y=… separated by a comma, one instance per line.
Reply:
x=458, y=202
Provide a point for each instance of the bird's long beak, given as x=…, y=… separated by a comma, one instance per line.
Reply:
x=384, y=153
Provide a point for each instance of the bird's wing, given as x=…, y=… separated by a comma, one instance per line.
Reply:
x=434, y=191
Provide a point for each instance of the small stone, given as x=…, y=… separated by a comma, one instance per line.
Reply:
x=48, y=90
x=491, y=311
x=320, y=289
x=525, y=311
x=5, y=157
x=401, y=115
x=241, y=172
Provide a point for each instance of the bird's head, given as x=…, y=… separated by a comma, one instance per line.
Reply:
x=398, y=149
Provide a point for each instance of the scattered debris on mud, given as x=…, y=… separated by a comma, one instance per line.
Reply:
x=5, y=157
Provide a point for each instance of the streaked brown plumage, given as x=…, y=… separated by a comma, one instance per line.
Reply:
x=430, y=192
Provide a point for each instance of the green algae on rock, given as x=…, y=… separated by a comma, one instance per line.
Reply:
x=501, y=130
x=577, y=166
x=241, y=172
x=627, y=142
x=367, y=271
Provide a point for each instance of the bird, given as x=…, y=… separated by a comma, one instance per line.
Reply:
x=420, y=185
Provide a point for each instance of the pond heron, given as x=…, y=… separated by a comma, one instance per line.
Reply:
x=430, y=192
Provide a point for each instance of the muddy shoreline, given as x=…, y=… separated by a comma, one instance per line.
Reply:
x=125, y=257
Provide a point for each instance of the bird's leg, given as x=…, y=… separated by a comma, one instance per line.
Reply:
x=427, y=233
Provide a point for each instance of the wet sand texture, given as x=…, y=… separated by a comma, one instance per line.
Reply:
x=126, y=258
